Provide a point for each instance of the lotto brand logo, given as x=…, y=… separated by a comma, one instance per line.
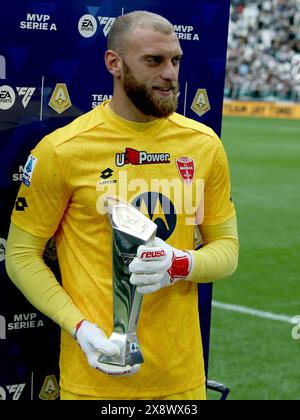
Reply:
x=2, y=67
x=107, y=173
x=149, y=255
x=21, y=204
x=136, y=157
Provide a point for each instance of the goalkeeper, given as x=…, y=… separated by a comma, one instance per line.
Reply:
x=62, y=188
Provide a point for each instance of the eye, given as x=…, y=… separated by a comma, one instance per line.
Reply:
x=176, y=61
x=154, y=60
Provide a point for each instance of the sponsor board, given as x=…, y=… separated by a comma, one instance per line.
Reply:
x=200, y=103
x=38, y=22
x=88, y=25
x=60, y=100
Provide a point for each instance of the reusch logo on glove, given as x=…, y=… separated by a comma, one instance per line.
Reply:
x=150, y=255
x=136, y=157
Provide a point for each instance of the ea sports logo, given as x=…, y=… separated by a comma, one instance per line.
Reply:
x=7, y=97
x=87, y=26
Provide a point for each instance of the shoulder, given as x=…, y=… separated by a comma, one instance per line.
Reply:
x=81, y=125
x=190, y=124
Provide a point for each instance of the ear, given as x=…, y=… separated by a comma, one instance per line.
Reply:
x=113, y=63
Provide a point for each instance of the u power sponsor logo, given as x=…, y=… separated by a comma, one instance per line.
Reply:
x=88, y=25
x=11, y=392
x=136, y=157
x=2, y=67
x=38, y=22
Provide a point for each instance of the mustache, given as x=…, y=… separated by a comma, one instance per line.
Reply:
x=172, y=85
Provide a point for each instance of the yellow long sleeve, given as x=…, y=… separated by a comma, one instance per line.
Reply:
x=218, y=258
x=28, y=271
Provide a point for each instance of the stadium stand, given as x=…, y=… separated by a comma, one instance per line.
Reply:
x=264, y=38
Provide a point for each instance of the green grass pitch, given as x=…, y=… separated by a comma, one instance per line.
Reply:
x=257, y=358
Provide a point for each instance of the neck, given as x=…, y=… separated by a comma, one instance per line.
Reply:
x=121, y=105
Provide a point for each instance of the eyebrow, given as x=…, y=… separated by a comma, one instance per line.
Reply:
x=160, y=56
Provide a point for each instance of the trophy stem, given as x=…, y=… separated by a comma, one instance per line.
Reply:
x=135, y=313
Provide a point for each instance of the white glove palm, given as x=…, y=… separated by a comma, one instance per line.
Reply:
x=158, y=266
x=93, y=343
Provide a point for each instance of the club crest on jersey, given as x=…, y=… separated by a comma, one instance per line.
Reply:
x=186, y=169
x=137, y=157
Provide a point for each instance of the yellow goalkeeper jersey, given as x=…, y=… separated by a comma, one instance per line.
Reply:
x=176, y=172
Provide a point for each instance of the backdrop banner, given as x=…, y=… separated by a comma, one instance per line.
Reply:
x=52, y=70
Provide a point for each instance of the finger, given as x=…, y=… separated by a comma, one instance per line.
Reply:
x=114, y=370
x=107, y=347
x=146, y=279
x=138, y=266
x=144, y=290
x=146, y=253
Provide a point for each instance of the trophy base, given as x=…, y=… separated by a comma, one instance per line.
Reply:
x=130, y=353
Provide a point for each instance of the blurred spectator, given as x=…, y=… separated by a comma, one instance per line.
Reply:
x=264, y=36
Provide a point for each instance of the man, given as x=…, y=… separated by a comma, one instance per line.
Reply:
x=136, y=142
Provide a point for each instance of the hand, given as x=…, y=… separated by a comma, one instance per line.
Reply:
x=93, y=343
x=158, y=266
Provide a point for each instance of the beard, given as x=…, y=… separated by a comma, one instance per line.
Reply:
x=145, y=100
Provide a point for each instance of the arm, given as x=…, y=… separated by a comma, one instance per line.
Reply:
x=219, y=256
x=47, y=193
x=28, y=271
x=217, y=259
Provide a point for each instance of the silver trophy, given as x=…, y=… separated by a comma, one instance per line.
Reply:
x=130, y=230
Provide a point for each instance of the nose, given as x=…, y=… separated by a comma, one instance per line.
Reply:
x=169, y=71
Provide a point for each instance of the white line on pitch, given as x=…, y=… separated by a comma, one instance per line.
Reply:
x=254, y=312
